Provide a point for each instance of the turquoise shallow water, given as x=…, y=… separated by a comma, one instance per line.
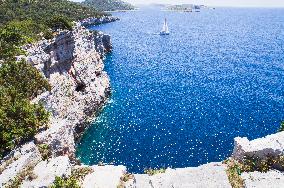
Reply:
x=179, y=100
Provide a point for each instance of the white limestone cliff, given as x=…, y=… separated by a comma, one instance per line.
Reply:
x=80, y=86
x=271, y=145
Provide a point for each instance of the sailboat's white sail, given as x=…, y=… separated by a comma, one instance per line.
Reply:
x=165, y=30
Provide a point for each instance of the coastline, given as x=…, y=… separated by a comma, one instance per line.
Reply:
x=61, y=154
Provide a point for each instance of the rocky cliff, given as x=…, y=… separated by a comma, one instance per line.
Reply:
x=97, y=21
x=72, y=63
x=80, y=87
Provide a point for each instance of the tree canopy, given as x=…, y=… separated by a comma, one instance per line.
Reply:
x=108, y=5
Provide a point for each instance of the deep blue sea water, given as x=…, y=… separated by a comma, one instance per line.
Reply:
x=180, y=100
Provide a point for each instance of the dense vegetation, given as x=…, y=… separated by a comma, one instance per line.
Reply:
x=19, y=118
x=23, y=22
x=108, y=5
x=40, y=10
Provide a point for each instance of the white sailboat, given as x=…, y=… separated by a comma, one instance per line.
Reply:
x=165, y=30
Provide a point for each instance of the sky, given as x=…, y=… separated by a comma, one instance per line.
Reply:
x=228, y=3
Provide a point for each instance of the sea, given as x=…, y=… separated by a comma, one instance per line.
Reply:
x=180, y=100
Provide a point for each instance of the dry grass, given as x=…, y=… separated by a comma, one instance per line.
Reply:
x=125, y=178
x=24, y=174
x=7, y=163
x=154, y=171
x=81, y=173
x=234, y=173
x=251, y=164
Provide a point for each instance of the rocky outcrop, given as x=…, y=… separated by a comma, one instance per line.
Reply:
x=103, y=43
x=271, y=145
x=104, y=176
x=209, y=175
x=97, y=21
x=18, y=161
x=270, y=179
x=80, y=87
x=46, y=171
x=59, y=137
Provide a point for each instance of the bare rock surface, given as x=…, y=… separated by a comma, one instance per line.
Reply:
x=46, y=171
x=96, y=21
x=205, y=176
x=79, y=84
x=104, y=177
x=272, y=145
x=59, y=137
x=22, y=158
x=270, y=179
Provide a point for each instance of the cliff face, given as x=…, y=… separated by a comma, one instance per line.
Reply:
x=72, y=63
x=79, y=85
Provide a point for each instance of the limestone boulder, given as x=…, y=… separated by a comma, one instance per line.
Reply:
x=104, y=177
x=271, y=145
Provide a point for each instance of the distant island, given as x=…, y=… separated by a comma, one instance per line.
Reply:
x=108, y=5
x=184, y=7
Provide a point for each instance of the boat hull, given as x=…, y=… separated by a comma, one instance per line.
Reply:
x=164, y=33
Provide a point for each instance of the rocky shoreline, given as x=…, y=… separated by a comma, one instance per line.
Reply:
x=97, y=21
x=73, y=64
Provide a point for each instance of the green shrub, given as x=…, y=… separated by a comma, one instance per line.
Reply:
x=17, y=181
x=233, y=171
x=20, y=120
x=59, y=22
x=25, y=78
x=44, y=150
x=65, y=183
x=281, y=126
x=17, y=33
x=154, y=171
x=39, y=11
x=251, y=164
x=80, y=173
x=48, y=35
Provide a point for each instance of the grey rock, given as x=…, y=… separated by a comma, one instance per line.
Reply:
x=20, y=159
x=270, y=179
x=212, y=175
x=104, y=177
x=103, y=43
x=80, y=87
x=272, y=145
x=46, y=171
x=97, y=21
x=59, y=137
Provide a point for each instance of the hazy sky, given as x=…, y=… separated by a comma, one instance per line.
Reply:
x=238, y=3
